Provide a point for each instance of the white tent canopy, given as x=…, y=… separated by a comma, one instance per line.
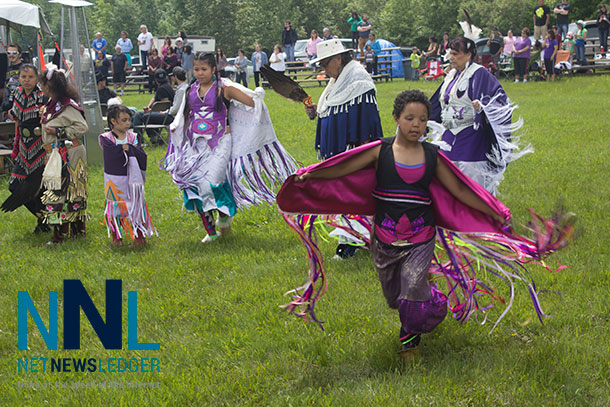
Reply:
x=15, y=13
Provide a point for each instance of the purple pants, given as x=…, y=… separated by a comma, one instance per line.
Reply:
x=403, y=274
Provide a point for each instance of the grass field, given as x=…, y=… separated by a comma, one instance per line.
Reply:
x=224, y=340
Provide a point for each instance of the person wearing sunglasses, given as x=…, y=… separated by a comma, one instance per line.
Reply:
x=10, y=82
x=347, y=112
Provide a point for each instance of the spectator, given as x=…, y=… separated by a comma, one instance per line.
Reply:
x=415, y=61
x=119, y=69
x=277, y=59
x=289, y=38
x=603, y=21
x=369, y=58
x=185, y=41
x=444, y=44
x=432, y=52
x=170, y=61
x=10, y=82
x=549, y=54
x=326, y=34
x=495, y=43
x=542, y=14
x=569, y=44
x=563, y=20
x=221, y=63
x=145, y=43
x=241, y=64
x=99, y=44
x=557, y=35
x=312, y=44
x=179, y=50
x=102, y=64
x=355, y=21
x=521, y=54
x=167, y=43
x=259, y=58
x=376, y=47
x=509, y=42
x=126, y=45
x=579, y=45
x=364, y=29
x=164, y=92
x=104, y=93
x=154, y=64
x=187, y=62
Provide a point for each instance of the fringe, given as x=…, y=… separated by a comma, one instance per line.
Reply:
x=470, y=264
x=255, y=177
x=51, y=177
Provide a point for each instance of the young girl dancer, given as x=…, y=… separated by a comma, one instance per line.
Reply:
x=65, y=174
x=218, y=169
x=126, y=213
x=28, y=153
x=415, y=188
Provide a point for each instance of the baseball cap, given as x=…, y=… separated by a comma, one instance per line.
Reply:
x=160, y=76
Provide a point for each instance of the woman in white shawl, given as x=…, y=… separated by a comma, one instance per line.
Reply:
x=347, y=110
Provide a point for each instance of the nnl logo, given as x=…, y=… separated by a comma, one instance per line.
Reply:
x=75, y=298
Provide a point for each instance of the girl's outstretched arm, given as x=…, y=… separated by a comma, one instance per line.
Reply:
x=358, y=162
x=464, y=194
x=232, y=92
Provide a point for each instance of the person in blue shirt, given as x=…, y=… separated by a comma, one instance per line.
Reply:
x=376, y=47
x=99, y=44
x=126, y=45
x=259, y=58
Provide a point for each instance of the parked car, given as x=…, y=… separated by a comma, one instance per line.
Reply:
x=231, y=70
x=300, y=51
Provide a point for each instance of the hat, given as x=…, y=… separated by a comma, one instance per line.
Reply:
x=581, y=23
x=327, y=49
x=160, y=76
x=99, y=76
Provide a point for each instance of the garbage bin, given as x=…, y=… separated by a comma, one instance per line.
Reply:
x=407, y=70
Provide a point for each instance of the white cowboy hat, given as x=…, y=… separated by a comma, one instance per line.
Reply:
x=327, y=49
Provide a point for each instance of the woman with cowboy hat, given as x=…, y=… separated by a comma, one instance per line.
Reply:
x=347, y=109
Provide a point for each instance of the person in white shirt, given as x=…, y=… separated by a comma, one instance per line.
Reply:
x=277, y=59
x=145, y=42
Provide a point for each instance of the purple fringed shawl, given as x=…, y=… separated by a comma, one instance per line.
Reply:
x=472, y=244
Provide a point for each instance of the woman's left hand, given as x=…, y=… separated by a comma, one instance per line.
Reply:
x=477, y=105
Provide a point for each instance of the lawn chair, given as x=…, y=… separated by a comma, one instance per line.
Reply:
x=433, y=70
x=157, y=107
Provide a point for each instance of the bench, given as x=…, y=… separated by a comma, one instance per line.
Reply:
x=7, y=135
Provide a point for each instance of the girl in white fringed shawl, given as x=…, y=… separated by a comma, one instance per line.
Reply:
x=219, y=170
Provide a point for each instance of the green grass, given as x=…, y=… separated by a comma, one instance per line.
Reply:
x=225, y=341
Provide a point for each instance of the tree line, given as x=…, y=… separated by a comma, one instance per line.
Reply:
x=239, y=24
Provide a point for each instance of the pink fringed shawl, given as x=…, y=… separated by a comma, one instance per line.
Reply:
x=470, y=241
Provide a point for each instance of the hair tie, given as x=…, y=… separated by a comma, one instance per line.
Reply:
x=468, y=45
x=50, y=73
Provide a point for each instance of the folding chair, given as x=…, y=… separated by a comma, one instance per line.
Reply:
x=157, y=107
x=433, y=70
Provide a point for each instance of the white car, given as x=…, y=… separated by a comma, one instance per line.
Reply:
x=231, y=70
x=300, y=48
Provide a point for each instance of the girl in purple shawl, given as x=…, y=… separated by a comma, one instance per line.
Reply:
x=126, y=213
x=402, y=242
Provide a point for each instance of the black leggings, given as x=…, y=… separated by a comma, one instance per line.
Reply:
x=549, y=66
x=520, y=66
